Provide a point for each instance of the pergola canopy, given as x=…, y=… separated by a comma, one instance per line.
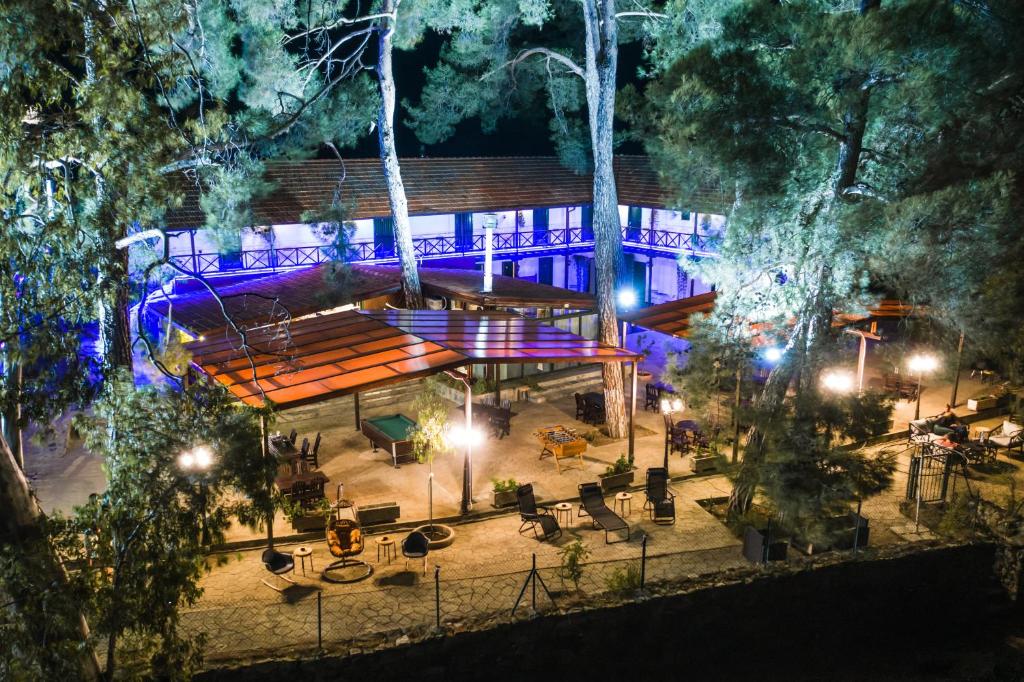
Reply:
x=673, y=317
x=306, y=291
x=319, y=358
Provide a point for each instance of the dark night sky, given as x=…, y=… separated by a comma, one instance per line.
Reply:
x=523, y=136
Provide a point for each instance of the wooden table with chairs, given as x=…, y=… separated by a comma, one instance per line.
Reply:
x=560, y=443
x=590, y=407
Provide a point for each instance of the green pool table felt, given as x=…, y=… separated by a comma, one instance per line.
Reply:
x=396, y=426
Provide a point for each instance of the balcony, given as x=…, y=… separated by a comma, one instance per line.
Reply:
x=641, y=240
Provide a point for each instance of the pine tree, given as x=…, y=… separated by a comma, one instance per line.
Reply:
x=818, y=117
x=502, y=57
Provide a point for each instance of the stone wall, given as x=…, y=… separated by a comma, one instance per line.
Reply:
x=850, y=620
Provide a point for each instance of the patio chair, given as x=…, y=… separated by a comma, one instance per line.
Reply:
x=313, y=458
x=534, y=515
x=345, y=540
x=675, y=438
x=592, y=505
x=416, y=546
x=501, y=422
x=652, y=397
x=304, y=450
x=1007, y=436
x=581, y=407
x=293, y=436
x=594, y=412
x=278, y=563
x=660, y=500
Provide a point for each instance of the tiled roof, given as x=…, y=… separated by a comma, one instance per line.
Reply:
x=442, y=185
x=347, y=352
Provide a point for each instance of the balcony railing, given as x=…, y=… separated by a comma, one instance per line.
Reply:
x=446, y=246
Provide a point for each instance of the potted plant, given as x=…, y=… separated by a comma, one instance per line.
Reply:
x=503, y=493
x=645, y=346
x=704, y=461
x=619, y=474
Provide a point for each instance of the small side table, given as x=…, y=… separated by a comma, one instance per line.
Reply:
x=981, y=432
x=563, y=508
x=302, y=552
x=623, y=499
x=388, y=545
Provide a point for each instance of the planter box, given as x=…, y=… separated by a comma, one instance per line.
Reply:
x=700, y=464
x=382, y=512
x=984, y=403
x=754, y=541
x=309, y=522
x=616, y=481
x=505, y=499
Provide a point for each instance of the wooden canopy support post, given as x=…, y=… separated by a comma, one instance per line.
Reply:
x=355, y=399
x=497, y=385
x=956, y=377
x=265, y=445
x=632, y=412
x=862, y=353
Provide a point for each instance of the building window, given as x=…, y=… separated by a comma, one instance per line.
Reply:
x=540, y=226
x=464, y=231
x=383, y=237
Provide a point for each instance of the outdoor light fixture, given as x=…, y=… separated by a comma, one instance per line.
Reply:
x=199, y=458
x=490, y=222
x=837, y=381
x=626, y=298
x=920, y=364
x=673, y=405
x=460, y=436
x=773, y=354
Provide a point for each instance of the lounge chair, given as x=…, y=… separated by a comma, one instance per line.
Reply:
x=278, y=563
x=416, y=546
x=534, y=515
x=1006, y=436
x=660, y=500
x=926, y=431
x=592, y=505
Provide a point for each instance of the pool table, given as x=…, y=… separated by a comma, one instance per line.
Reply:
x=392, y=432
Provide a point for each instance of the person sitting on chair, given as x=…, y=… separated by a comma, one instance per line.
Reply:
x=949, y=420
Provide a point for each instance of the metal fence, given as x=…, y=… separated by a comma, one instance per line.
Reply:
x=430, y=247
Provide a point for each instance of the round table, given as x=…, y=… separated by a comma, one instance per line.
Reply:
x=302, y=552
x=621, y=500
x=563, y=508
x=388, y=545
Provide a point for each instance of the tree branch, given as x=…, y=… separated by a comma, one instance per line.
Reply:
x=546, y=53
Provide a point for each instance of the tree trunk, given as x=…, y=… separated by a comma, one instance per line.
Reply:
x=22, y=532
x=389, y=158
x=601, y=65
x=11, y=421
x=112, y=311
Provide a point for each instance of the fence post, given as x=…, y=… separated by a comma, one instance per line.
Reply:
x=643, y=561
x=319, y=621
x=856, y=528
x=533, y=585
x=437, y=595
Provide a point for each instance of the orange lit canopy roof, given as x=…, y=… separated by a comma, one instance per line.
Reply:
x=319, y=358
x=673, y=317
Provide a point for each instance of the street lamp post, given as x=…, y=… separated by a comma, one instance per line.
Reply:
x=920, y=364
x=669, y=407
x=197, y=462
